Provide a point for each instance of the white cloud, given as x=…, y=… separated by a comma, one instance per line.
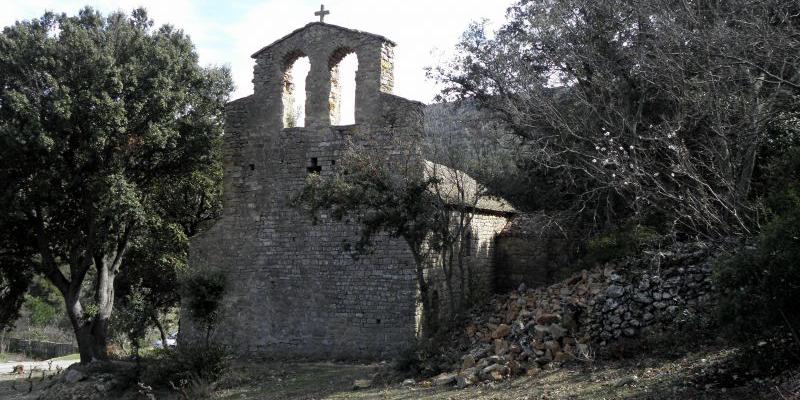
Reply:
x=229, y=32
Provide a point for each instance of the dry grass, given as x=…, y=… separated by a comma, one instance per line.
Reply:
x=643, y=378
x=640, y=378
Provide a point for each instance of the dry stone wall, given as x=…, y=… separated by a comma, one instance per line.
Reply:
x=661, y=292
x=590, y=313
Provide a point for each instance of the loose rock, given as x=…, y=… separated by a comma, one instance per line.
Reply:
x=361, y=384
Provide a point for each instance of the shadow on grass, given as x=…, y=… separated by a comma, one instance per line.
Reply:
x=639, y=379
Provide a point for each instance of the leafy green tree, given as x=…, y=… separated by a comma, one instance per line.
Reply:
x=98, y=114
x=149, y=276
x=42, y=313
x=155, y=261
x=14, y=281
x=132, y=316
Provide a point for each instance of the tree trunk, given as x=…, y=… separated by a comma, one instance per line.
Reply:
x=92, y=339
x=91, y=335
x=100, y=338
x=746, y=174
x=161, y=330
x=448, y=280
x=427, y=326
x=104, y=298
x=91, y=331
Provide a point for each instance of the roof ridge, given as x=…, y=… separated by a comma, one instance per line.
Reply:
x=292, y=33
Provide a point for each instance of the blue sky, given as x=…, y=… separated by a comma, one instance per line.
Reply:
x=228, y=32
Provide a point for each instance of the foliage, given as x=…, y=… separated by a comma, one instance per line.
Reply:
x=632, y=106
x=427, y=205
x=205, y=362
x=379, y=200
x=97, y=115
x=42, y=313
x=627, y=240
x=44, y=304
x=14, y=282
x=146, y=286
x=760, y=284
x=132, y=317
x=427, y=356
x=202, y=291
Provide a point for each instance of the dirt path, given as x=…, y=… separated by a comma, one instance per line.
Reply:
x=8, y=367
x=28, y=385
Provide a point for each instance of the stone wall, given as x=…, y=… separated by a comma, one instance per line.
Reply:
x=660, y=292
x=324, y=45
x=593, y=312
x=474, y=274
x=531, y=250
x=293, y=288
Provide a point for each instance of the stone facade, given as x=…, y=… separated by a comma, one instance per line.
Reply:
x=293, y=289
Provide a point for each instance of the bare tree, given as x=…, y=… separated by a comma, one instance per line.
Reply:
x=641, y=107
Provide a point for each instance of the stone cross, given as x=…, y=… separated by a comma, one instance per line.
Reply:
x=322, y=13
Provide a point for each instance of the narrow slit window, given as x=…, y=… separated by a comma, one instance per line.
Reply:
x=314, y=167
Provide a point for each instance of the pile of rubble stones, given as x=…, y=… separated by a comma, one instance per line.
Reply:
x=531, y=329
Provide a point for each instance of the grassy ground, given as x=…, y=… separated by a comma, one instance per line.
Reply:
x=11, y=357
x=643, y=378
x=640, y=378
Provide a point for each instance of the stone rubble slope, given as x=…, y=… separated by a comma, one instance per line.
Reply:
x=527, y=330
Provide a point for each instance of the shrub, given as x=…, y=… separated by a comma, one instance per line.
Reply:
x=626, y=240
x=760, y=287
x=194, y=388
x=760, y=284
x=689, y=330
x=203, y=291
x=188, y=363
x=428, y=356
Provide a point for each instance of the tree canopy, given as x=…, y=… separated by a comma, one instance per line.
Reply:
x=101, y=117
x=656, y=110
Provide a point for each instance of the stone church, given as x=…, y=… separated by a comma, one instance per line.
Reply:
x=292, y=289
